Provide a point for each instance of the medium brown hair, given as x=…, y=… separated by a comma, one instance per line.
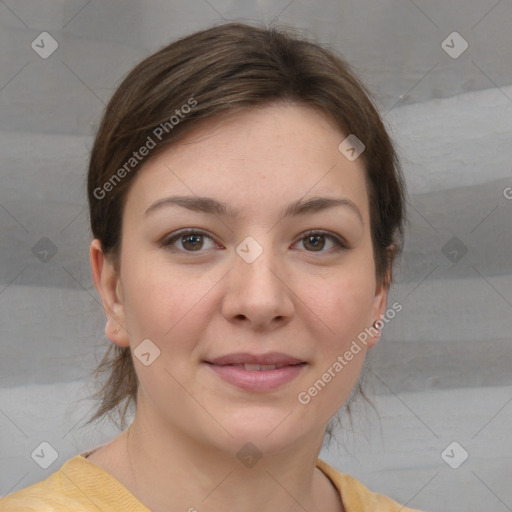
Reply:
x=221, y=70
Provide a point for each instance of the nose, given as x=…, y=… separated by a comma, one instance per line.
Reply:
x=258, y=292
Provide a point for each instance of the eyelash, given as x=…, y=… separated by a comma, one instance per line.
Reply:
x=340, y=243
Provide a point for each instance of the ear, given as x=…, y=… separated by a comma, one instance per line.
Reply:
x=379, y=308
x=107, y=281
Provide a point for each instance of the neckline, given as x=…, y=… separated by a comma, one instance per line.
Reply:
x=126, y=495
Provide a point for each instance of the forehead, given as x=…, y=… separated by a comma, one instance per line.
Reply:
x=255, y=159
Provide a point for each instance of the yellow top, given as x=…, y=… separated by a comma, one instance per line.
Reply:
x=82, y=486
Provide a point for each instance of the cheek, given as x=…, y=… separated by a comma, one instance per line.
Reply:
x=162, y=302
x=343, y=311
x=343, y=304
x=157, y=305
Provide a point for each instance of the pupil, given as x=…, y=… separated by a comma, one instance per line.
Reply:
x=190, y=238
x=313, y=237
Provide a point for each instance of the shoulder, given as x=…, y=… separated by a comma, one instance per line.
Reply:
x=356, y=496
x=50, y=495
x=78, y=486
x=44, y=496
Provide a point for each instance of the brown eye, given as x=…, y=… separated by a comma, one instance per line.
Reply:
x=316, y=240
x=191, y=241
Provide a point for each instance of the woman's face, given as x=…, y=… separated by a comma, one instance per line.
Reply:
x=244, y=271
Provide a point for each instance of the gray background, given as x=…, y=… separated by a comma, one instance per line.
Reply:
x=443, y=370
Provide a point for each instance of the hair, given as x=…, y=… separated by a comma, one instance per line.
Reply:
x=222, y=70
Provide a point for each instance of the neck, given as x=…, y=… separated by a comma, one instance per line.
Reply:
x=169, y=470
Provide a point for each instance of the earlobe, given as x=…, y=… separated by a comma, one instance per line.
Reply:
x=108, y=284
x=379, y=308
x=376, y=332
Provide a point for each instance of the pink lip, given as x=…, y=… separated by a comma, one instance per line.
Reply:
x=230, y=369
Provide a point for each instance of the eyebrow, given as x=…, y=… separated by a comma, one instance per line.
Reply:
x=212, y=206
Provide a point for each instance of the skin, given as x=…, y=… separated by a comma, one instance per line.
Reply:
x=309, y=301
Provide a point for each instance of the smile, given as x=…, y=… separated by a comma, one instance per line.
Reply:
x=257, y=377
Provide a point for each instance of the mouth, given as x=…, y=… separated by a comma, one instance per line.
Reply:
x=252, y=372
x=259, y=367
x=268, y=361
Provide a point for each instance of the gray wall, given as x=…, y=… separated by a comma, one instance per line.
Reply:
x=443, y=370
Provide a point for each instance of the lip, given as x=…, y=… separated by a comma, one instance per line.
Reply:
x=230, y=369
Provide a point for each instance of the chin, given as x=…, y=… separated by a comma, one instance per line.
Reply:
x=269, y=430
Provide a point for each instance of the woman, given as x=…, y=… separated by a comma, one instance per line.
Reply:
x=246, y=204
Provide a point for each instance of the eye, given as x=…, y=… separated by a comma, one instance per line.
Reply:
x=314, y=239
x=191, y=240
